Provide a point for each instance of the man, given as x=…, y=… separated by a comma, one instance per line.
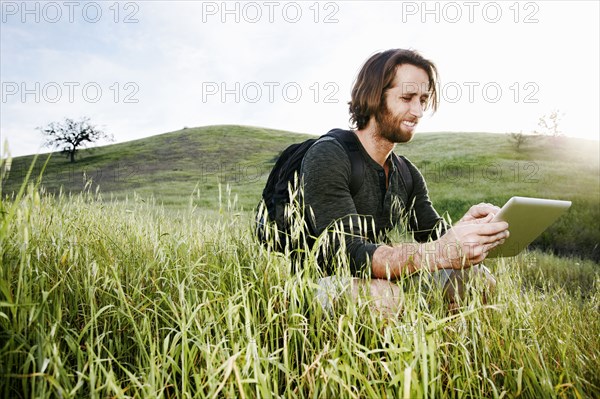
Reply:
x=390, y=94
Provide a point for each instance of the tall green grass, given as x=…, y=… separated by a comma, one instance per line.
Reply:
x=123, y=299
x=461, y=169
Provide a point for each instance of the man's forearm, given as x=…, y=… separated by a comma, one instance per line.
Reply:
x=394, y=262
x=403, y=259
x=464, y=245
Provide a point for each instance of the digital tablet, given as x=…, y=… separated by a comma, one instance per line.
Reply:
x=527, y=218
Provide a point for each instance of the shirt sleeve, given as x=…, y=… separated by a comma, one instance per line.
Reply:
x=425, y=223
x=326, y=173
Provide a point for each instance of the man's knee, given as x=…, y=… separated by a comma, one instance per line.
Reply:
x=383, y=296
x=459, y=280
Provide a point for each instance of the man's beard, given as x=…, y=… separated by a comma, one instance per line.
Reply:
x=390, y=127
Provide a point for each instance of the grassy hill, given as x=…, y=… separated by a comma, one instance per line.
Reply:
x=171, y=166
x=461, y=169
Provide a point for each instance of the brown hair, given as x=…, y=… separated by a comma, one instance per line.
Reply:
x=377, y=76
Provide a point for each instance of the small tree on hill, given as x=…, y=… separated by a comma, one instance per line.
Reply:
x=518, y=139
x=71, y=135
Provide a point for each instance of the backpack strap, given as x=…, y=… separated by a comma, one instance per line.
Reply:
x=357, y=164
x=349, y=141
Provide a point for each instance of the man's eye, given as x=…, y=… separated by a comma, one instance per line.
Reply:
x=406, y=98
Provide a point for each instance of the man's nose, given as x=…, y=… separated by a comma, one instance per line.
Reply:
x=416, y=108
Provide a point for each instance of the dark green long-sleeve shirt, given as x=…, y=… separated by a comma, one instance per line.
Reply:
x=372, y=211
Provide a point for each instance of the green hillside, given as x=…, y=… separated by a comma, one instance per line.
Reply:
x=171, y=166
x=461, y=169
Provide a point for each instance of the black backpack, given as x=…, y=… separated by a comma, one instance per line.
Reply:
x=271, y=211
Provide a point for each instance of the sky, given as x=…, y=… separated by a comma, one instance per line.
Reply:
x=141, y=68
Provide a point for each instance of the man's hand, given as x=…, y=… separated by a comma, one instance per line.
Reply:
x=468, y=243
x=478, y=212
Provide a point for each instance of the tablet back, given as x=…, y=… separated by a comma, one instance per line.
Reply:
x=527, y=219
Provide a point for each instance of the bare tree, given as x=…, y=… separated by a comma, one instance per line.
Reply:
x=71, y=135
x=549, y=124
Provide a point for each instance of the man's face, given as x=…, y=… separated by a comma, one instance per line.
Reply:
x=403, y=105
